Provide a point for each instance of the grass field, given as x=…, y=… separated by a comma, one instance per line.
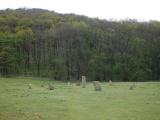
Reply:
x=71, y=102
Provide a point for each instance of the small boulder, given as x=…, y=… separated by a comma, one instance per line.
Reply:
x=131, y=87
x=97, y=85
x=134, y=85
x=110, y=82
x=78, y=83
x=51, y=87
x=30, y=86
x=42, y=85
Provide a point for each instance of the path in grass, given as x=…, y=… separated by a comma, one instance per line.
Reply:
x=72, y=102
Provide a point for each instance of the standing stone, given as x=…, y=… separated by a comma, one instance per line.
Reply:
x=42, y=85
x=51, y=87
x=131, y=87
x=30, y=86
x=83, y=81
x=68, y=83
x=110, y=82
x=97, y=85
x=78, y=83
x=134, y=85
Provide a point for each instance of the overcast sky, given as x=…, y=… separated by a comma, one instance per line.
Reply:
x=103, y=9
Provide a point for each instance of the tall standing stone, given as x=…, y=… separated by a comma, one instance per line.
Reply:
x=83, y=81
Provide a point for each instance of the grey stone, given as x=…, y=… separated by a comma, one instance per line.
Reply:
x=97, y=85
x=83, y=81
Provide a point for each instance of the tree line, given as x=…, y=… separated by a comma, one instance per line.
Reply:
x=66, y=46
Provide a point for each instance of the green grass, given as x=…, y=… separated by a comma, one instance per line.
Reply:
x=114, y=102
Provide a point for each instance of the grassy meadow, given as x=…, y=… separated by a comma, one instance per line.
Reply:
x=71, y=102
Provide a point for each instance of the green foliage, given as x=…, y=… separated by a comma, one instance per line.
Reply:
x=19, y=38
x=68, y=45
x=7, y=59
x=58, y=69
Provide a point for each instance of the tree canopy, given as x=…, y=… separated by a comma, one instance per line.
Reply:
x=65, y=46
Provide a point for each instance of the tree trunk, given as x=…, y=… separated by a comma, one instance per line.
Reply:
x=68, y=72
x=38, y=68
x=78, y=71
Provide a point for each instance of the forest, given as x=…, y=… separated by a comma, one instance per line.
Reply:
x=66, y=46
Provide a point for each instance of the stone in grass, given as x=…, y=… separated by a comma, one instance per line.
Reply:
x=110, y=82
x=97, y=85
x=83, y=81
x=51, y=87
x=42, y=85
x=68, y=83
x=30, y=86
x=131, y=87
x=78, y=83
x=134, y=85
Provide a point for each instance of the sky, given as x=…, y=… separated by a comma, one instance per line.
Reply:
x=142, y=10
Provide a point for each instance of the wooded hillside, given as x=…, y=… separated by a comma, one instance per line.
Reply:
x=65, y=46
